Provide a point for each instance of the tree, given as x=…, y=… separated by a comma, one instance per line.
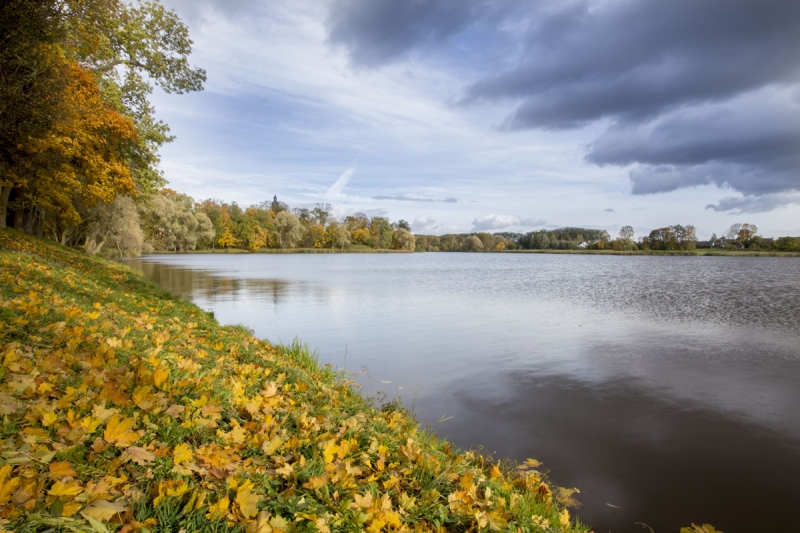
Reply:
x=403, y=240
x=54, y=56
x=337, y=235
x=626, y=232
x=116, y=224
x=381, y=232
x=32, y=85
x=289, y=229
x=402, y=224
x=77, y=162
x=170, y=222
x=321, y=213
x=472, y=244
x=733, y=231
x=747, y=232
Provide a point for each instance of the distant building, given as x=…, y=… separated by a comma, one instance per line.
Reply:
x=583, y=246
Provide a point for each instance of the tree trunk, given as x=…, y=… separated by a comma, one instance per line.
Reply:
x=5, y=192
x=93, y=246
x=19, y=218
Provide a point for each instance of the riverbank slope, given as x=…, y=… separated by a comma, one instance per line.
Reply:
x=124, y=407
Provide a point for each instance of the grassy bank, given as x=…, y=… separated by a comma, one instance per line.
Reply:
x=124, y=408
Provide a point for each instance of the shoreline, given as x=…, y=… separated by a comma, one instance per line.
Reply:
x=685, y=253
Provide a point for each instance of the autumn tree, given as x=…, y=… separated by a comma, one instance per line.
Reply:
x=337, y=235
x=76, y=75
x=403, y=240
x=472, y=244
x=32, y=86
x=77, y=162
x=747, y=232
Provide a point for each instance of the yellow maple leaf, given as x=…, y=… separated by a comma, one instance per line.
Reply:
x=271, y=446
x=104, y=511
x=118, y=432
x=329, y=451
x=71, y=508
x=160, y=376
x=182, y=453
x=7, y=486
x=48, y=419
x=94, y=315
x=219, y=509
x=247, y=500
x=364, y=501
x=65, y=489
x=315, y=482
x=100, y=412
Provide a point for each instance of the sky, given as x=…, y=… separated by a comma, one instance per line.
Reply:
x=497, y=115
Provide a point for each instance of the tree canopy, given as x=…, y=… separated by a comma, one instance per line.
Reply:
x=76, y=125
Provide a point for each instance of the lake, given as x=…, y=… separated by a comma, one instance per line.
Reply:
x=667, y=389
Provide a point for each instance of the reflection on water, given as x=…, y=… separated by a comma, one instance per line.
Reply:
x=666, y=387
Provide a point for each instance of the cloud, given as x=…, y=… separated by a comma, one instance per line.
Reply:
x=608, y=210
x=424, y=223
x=402, y=198
x=374, y=33
x=335, y=190
x=754, y=204
x=498, y=222
x=749, y=145
x=583, y=61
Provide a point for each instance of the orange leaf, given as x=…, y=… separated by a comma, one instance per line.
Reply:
x=62, y=469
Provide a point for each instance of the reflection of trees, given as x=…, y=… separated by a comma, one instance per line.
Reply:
x=194, y=284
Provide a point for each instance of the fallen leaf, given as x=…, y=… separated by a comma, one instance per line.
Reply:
x=182, y=453
x=62, y=469
x=104, y=511
x=140, y=456
x=65, y=489
x=118, y=432
x=247, y=500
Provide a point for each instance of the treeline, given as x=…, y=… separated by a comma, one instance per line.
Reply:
x=169, y=221
x=677, y=237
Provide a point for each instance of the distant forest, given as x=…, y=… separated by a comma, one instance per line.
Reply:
x=170, y=221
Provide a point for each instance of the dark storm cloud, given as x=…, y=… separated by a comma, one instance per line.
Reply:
x=377, y=32
x=751, y=148
x=632, y=60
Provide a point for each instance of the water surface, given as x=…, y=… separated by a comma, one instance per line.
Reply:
x=667, y=389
